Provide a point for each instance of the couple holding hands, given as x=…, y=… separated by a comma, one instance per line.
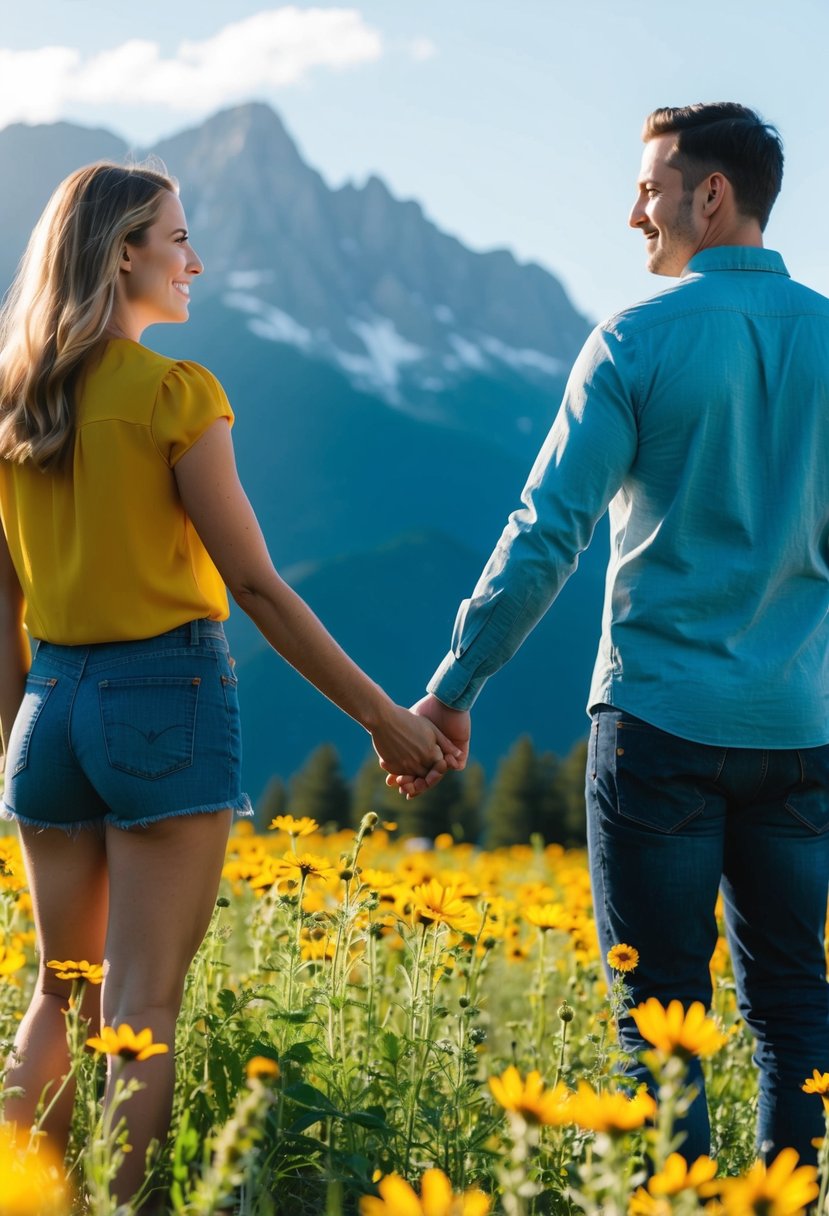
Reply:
x=700, y=418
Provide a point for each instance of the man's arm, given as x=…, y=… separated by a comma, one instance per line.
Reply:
x=580, y=468
x=14, y=645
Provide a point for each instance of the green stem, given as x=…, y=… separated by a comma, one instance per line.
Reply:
x=823, y=1163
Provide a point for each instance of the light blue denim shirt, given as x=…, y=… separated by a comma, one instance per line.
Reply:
x=701, y=418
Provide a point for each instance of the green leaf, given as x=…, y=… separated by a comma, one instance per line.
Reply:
x=390, y=1046
x=306, y=1119
x=364, y=1118
x=227, y=1001
x=300, y=1053
x=307, y=1095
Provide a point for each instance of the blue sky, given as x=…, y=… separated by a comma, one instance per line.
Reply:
x=514, y=124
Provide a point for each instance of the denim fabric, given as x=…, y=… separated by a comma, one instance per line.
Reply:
x=669, y=823
x=127, y=732
x=701, y=418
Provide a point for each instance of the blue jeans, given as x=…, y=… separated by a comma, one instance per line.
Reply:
x=669, y=823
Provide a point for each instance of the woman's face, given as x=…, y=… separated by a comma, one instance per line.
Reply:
x=154, y=283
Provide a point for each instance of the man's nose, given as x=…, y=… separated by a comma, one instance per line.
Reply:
x=637, y=215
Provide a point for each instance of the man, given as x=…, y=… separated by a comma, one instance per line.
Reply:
x=701, y=418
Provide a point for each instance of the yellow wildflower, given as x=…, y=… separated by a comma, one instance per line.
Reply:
x=122, y=1041
x=529, y=1098
x=262, y=1068
x=305, y=826
x=780, y=1189
x=93, y=973
x=675, y=1031
x=623, y=957
x=675, y=1177
x=309, y=865
x=548, y=916
x=435, y=904
x=11, y=960
x=609, y=1112
x=32, y=1181
x=818, y=1083
x=317, y=948
x=436, y=1198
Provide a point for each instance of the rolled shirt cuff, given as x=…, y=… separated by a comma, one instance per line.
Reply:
x=453, y=685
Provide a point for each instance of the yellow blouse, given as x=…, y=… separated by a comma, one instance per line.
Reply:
x=105, y=552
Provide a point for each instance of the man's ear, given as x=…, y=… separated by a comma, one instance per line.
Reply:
x=714, y=191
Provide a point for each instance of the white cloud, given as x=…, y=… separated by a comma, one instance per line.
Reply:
x=32, y=83
x=272, y=49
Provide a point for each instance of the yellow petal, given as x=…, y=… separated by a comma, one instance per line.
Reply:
x=435, y=1193
x=399, y=1197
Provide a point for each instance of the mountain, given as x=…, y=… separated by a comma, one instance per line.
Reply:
x=391, y=388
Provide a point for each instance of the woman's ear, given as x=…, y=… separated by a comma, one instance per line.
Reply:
x=126, y=262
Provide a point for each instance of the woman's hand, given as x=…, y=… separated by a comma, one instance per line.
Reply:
x=408, y=743
x=456, y=723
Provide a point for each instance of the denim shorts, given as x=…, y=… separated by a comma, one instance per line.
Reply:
x=127, y=733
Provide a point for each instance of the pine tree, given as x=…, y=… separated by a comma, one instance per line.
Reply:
x=370, y=793
x=273, y=802
x=571, y=783
x=433, y=812
x=320, y=790
x=549, y=814
x=511, y=809
x=468, y=819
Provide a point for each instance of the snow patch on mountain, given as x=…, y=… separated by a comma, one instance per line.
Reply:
x=269, y=322
x=245, y=280
x=467, y=354
x=387, y=351
x=521, y=360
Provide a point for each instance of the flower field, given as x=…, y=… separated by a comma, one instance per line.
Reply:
x=377, y=1030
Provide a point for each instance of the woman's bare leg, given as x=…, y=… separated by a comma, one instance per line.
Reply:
x=163, y=884
x=67, y=878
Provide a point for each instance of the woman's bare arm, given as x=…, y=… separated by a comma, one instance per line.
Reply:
x=14, y=645
x=215, y=501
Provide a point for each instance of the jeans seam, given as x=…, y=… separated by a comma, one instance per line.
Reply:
x=80, y=673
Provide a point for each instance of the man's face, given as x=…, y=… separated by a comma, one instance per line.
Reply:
x=664, y=211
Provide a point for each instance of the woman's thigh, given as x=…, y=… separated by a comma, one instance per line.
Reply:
x=163, y=882
x=67, y=877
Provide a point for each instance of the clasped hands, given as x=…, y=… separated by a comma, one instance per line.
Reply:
x=430, y=740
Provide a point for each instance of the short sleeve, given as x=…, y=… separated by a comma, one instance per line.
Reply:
x=189, y=399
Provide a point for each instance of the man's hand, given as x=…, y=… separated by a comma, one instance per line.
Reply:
x=456, y=725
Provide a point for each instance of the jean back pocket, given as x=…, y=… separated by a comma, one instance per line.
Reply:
x=149, y=723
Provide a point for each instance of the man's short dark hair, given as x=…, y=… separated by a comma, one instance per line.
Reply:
x=724, y=137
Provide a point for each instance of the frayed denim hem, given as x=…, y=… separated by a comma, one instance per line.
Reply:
x=241, y=807
x=40, y=825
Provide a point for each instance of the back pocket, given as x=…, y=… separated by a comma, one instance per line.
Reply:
x=149, y=723
x=809, y=801
x=658, y=776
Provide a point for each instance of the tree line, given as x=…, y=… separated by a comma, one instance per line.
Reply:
x=531, y=794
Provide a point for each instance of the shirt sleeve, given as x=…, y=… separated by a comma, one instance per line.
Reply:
x=190, y=398
x=579, y=469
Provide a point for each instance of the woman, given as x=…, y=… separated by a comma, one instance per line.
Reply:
x=123, y=522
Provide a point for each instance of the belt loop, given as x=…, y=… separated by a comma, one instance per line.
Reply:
x=194, y=633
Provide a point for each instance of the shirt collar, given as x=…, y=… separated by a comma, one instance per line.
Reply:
x=736, y=257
